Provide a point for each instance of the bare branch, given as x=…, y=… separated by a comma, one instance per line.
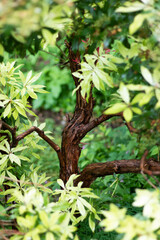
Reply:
x=149, y=182
x=94, y=170
x=130, y=127
x=10, y=232
x=97, y=121
x=41, y=134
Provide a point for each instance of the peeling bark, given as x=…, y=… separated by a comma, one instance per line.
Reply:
x=95, y=170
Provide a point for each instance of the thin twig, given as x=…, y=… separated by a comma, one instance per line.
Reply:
x=41, y=134
x=143, y=159
x=48, y=53
x=25, y=183
x=150, y=183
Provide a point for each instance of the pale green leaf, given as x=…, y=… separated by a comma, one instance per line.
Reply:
x=123, y=91
x=29, y=75
x=77, y=75
x=92, y=222
x=18, y=149
x=81, y=208
x=2, y=178
x=147, y=75
x=14, y=158
x=15, y=114
x=61, y=183
x=3, y=148
x=4, y=159
x=95, y=80
x=128, y=114
x=44, y=218
x=13, y=177
x=31, y=93
x=131, y=7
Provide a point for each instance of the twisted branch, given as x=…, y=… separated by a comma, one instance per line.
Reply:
x=95, y=170
x=97, y=121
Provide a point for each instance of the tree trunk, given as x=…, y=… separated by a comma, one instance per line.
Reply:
x=79, y=126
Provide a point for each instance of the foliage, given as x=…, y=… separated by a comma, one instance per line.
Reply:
x=38, y=218
x=141, y=226
x=116, y=53
x=55, y=77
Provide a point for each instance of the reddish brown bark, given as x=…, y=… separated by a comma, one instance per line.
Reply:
x=94, y=170
x=74, y=129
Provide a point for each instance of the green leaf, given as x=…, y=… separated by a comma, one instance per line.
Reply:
x=7, y=110
x=154, y=151
x=49, y=37
x=116, y=108
x=137, y=22
x=92, y=222
x=1, y=50
x=2, y=178
x=128, y=114
x=122, y=49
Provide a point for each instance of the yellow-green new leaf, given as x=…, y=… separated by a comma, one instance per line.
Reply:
x=7, y=110
x=137, y=22
x=128, y=114
x=136, y=110
x=49, y=236
x=146, y=98
x=116, y=108
x=44, y=218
